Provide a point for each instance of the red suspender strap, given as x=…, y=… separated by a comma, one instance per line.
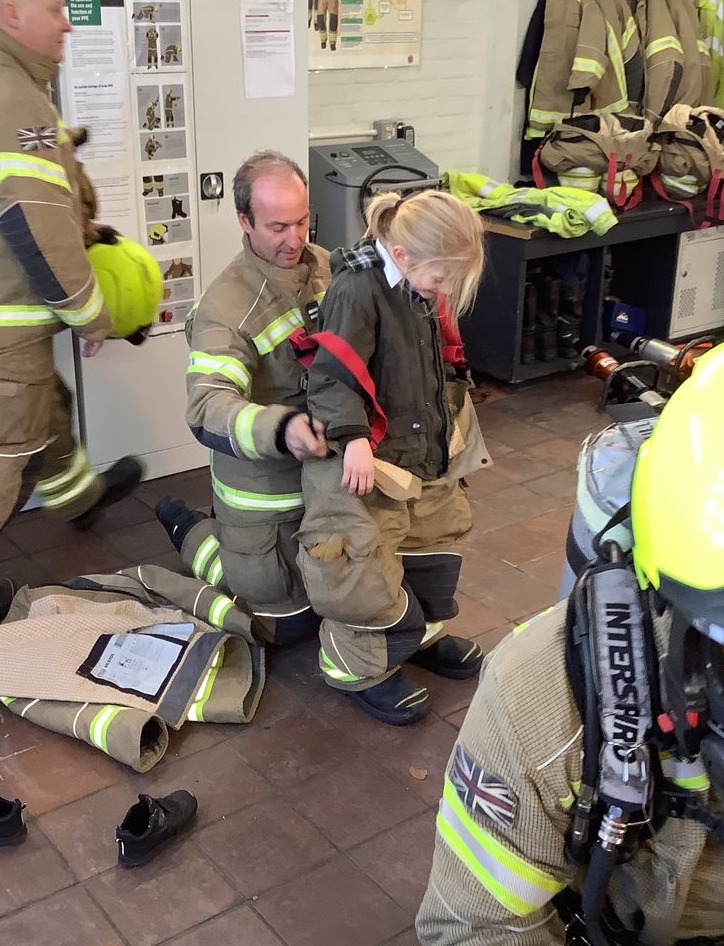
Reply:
x=538, y=175
x=453, y=351
x=347, y=356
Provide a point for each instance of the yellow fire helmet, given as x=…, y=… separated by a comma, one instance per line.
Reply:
x=131, y=282
x=677, y=499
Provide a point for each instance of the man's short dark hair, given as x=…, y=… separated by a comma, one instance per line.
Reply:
x=261, y=162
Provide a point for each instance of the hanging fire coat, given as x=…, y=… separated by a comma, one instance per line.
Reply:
x=509, y=788
x=677, y=63
x=586, y=49
x=711, y=22
x=46, y=281
x=243, y=380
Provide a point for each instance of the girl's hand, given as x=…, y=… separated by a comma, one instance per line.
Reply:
x=359, y=467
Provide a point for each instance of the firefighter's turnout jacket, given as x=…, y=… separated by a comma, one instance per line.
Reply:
x=46, y=284
x=505, y=811
x=711, y=21
x=382, y=569
x=243, y=380
x=606, y=56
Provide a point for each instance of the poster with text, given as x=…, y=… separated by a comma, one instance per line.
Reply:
x=358, y=34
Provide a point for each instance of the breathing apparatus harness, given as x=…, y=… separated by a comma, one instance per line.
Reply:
x=624, y=795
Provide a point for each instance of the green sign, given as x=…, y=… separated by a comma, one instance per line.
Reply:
x=84, y=12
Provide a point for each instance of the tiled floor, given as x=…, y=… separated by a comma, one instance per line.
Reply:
x=315, y=823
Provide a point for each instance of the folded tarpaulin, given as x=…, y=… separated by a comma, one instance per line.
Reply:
x=113, y=659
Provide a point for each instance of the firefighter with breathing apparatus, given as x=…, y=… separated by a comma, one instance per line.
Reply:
x=583, y=801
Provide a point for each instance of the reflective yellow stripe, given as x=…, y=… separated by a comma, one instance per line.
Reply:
x=328, y=667
x=98, y=730
x=580, y=64
x=278, y=331
x=65, y=487
x=202, y=363
x=26, y=315
x=204, y=552
x=219, y=609
x=629, y=32
x=7, y=700
x=216, y=572
x=702, y=47
x=91, y=310
x=196, y=711
x=432, y=629
x=665, y=42
x=616, y=58
x=244, y=430
x=527, y=624
x=686, y=773
x=240, y=499
x=517, y=885
x=21, y=165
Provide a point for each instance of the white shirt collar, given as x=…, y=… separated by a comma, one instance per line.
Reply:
x=392, y=273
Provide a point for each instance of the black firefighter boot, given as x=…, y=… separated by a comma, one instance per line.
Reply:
x=119, y=481
x=12, y=826
x=150, y=824
x=177, y=519
x=546, y=342
x=396, y=701
x=527, y=338
x=569, y=320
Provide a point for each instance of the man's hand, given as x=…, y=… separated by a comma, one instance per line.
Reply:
x=91, y=348
x=359, y=467
x=304, y=438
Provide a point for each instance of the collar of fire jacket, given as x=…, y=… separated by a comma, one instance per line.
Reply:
x=295, y=277
x=41, y=69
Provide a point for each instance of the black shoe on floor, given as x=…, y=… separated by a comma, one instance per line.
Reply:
x=452, y=657
x=150, y=824
x=120, y=480
x=8, y=590
x=12, y=826
x=177, y=519
x=397, y=700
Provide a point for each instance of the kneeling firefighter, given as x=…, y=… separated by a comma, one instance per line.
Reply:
x=583, y=801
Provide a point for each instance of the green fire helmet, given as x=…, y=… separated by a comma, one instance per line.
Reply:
x=131, y=282
x=677, y=499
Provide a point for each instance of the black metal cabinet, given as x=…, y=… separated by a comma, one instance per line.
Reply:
x=643, y=250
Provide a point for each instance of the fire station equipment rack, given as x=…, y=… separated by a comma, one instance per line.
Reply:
x=644, y=251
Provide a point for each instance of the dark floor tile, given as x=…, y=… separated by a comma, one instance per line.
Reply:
x=399, y=860
x=519, y=467
x=238, y=927
x=294, y=748
x=194, y=488
x=58, y=772
x=277, y=701
x=560, y=485
x=29, y=872
x=263, y=846
x=85, y=831
x=174, y=892
x=69, y=918
x=333, y=905
x=408, y=938
x=512, y=593
x=35, y=531
x=8, y=549
x=456, y=719
x=219, y=779
x=511, y=431
x=25, y=571
x=517, y=503
x=473, y=618
x=553, y=524
x=424, y=749
x=193, y=737
x=558, y=452
x=548, y=568
x=141, y=541
x=354, y=802
x=128, y=512
x=87, y=555
x=516, y=543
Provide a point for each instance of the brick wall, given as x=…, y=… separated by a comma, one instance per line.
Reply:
x=461, y=98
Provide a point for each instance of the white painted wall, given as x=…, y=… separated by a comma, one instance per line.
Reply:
x=461, y=98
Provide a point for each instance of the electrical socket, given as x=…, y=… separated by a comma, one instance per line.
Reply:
x=385, y=128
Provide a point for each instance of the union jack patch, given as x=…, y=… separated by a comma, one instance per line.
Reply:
x=482, y=792
x=34, y=139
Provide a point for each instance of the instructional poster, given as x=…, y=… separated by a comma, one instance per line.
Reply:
x=356, y=34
